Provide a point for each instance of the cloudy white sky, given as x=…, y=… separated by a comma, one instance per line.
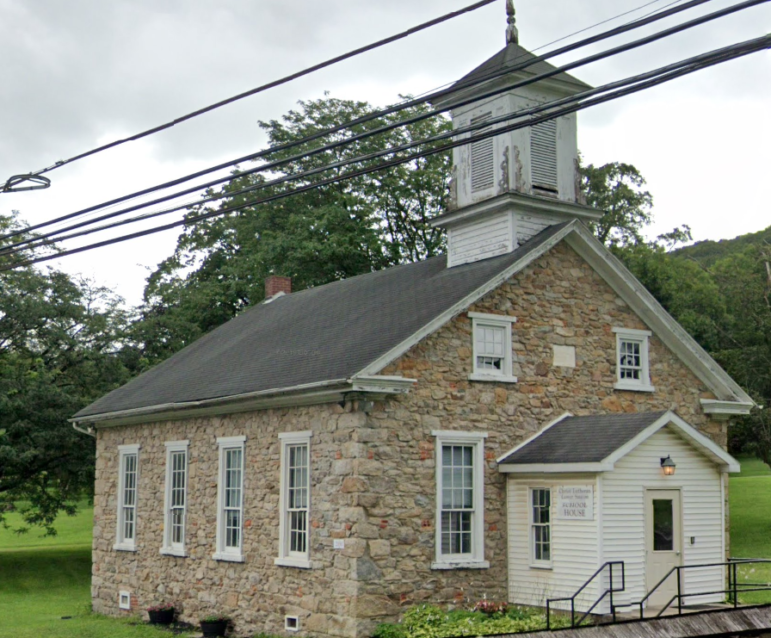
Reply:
x=84, y=72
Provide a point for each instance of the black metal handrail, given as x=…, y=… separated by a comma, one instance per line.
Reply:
x=734, y=587
x=608, y=592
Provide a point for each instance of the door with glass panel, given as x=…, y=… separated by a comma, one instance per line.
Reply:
x=663, y=540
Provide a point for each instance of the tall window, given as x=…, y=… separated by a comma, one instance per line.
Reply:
x=540, y=525
x=460, y=500
x=492, y=347
x=482, y=157
x=230, y=499
x=632, y=371
x=294, y=539
x=543, y=155
x=128, y=459
x=175, y=498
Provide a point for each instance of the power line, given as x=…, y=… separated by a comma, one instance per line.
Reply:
x=381, y=113
x=622, y=88
x=245, y=94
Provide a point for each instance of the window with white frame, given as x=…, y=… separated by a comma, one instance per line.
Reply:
x=128, y=468
x=492, y=347
x=540, y=526
x=175, y=500
x=230, y=495
x=460, y=500
x=632, y=372
x=294, y=541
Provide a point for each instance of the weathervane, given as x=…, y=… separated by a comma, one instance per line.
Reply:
x=512, y=34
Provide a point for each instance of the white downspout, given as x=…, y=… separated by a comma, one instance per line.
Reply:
x=89, y=430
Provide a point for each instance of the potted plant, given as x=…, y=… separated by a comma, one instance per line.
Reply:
x=162, y=614
x=214, y=625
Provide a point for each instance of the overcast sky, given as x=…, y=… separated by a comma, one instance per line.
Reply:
x=84, y=72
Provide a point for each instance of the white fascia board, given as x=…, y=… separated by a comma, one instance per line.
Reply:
x=449, y=314
x=725, y=408
x=692, y=436
x=555, y=468
x=532, y=438
x=664, y=326
x=381, y=384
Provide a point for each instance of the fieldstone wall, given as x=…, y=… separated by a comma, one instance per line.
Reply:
x=373, y=474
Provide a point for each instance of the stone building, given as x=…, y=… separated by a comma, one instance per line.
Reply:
x=487, y=424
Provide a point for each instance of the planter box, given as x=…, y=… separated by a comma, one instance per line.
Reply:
x=163, y=617
x=214, y=629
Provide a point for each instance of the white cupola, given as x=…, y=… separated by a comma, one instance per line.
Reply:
x=507, y=188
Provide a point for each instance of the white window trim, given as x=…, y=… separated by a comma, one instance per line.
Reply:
x=631, y=334
x=540, y=564
x=496, y=321
x=122, y=544
x=229, y=443
x=169, y=548
x=476, y=559
x=285, y=557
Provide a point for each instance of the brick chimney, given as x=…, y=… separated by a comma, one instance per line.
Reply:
x=275, y=284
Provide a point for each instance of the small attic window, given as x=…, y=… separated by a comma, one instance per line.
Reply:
x=543, y=155
x=482, y=158
x=632, y=370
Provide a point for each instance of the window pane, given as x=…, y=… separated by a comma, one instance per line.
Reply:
x=663, y=526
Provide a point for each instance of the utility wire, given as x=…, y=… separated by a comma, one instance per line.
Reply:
x=622, y=88
x=260, y=89
x=45, y=239
x=380, y=113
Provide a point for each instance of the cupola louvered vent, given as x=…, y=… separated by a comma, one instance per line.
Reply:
x=482, y=158
x=543, y=155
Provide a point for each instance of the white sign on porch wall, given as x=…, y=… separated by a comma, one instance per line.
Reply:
x=575, y=502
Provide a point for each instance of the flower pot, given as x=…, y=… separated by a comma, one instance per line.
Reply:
x=214, y=628
x=161, y=617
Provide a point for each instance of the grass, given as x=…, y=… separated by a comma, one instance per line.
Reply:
x=750, y=511
x=45, y=579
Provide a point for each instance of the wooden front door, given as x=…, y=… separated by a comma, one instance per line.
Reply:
x=663, y=543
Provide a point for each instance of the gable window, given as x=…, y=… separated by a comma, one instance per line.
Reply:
x=632, y=360
x=174, y=512
x=128, y=463
x=230, y=516
x=540, y=527
x=492, y=347
x=295, y=500
x=460, y=500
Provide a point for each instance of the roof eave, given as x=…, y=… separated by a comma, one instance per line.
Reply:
x=333, y=391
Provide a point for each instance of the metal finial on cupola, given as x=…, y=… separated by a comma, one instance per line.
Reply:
x=512, y=33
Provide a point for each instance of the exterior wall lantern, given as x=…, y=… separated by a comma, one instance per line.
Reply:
x=668, y=465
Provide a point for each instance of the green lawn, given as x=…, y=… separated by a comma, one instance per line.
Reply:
x=750, y=509
x=43, y=579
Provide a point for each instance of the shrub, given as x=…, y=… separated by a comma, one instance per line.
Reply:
x=429, y=621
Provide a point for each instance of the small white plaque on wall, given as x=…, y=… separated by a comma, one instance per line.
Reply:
x=338, y=543
x=564, y=356
x=575, y=502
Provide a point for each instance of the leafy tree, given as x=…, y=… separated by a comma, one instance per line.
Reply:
x=58, y=340
x=337, y=231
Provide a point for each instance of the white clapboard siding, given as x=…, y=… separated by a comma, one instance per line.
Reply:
x=543, y=154
x=701, y=496
x=480, y=239
x=574, y=547
x=530, y=224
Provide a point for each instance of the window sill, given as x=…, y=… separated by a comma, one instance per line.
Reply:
x=170, y=551
x=634, y=387
x=230, y=558
x=494, y=378
x=124, y=547
x=287, y=561
x=460, y=564
x=544, y=566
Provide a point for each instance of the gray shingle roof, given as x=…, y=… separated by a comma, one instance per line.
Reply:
x=321, y=334
x=509, y=56
x=583, y=439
